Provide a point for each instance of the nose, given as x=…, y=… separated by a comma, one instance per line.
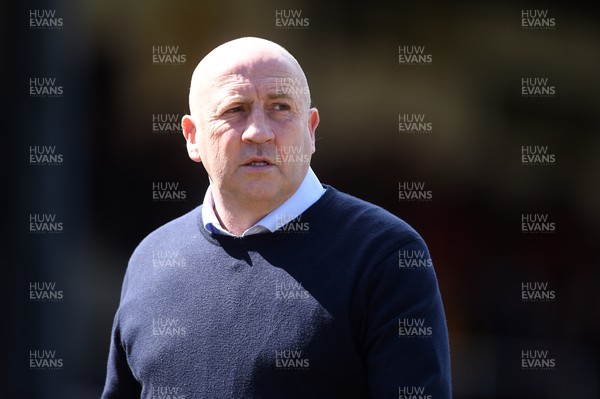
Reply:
x=258, y=129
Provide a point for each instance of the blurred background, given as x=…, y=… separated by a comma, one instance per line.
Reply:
x=113, y=91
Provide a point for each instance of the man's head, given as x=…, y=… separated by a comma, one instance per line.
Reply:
x=250, y=122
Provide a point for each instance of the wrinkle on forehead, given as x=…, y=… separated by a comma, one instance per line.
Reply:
x=239, y=62
x=245, y=95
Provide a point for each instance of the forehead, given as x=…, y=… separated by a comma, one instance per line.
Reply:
x=249, y=84
x=257, y=74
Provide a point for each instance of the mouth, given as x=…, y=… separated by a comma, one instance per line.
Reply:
x=258, y=163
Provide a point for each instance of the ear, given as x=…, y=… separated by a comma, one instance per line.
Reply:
x=313, y=122
x=190, y=133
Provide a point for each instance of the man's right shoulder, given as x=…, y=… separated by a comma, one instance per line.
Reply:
x=172, y=233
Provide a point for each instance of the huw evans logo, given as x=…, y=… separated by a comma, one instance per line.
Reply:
x=44, y=19
x=413, y=191
x=537, y=155
x=166, y=123
x=291, y=19
x=44, y=88
x=413, y=56
x=414, y=259
x=167, y=259
x=414, y=123
x=291, y=154
x=537, y=360
x=44, y=155
x=167, y=327
x=285, y=224
x=167, y=392
x=413, y=327
x=44, y=223
x=291, y=360
x=537, y=19
x=290, y=86
x=412, y=392
x=537, y=291
x=537, y=87
x=44, y=360
x=44, y=292
x=537, y=223
x=290, y=290
x=167, y=55
x=167, y=191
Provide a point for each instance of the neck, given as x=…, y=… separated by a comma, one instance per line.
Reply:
x=237, y=217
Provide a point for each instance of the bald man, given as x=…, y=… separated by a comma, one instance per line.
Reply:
x=277, y=286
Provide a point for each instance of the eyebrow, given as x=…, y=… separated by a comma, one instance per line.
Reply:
x=276, y=95
x=234, y=99
x=242, y=99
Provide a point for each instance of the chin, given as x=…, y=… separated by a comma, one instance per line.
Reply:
x=263, y=192
x=260, y=195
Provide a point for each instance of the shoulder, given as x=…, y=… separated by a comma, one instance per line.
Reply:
x=366, y=219
x=172, y=234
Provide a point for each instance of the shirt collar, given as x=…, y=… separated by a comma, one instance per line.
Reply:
x=308, y=193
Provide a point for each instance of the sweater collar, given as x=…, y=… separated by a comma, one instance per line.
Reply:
x=307, y=194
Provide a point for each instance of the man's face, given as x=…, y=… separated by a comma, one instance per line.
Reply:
x=254, y=129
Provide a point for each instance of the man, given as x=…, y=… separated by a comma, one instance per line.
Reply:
x=277, y=286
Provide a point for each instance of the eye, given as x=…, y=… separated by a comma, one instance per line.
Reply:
x=281, y=107
x=233, y=110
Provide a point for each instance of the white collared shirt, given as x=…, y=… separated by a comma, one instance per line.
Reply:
x=308, y=193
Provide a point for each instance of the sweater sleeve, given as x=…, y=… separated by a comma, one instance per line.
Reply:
x=120, y=382
x=406, y=339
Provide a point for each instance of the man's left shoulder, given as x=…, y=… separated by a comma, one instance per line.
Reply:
x=371, y=218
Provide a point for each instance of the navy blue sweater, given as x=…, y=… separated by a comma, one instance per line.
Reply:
x=341, y=302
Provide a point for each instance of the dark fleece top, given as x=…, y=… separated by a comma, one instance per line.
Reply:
x=342, y=302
